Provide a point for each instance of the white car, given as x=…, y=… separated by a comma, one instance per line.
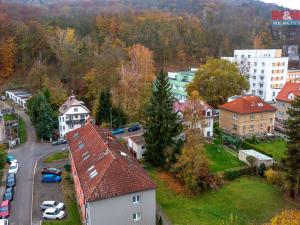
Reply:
x=52, y=204
x=3, y=222
x=13, y=168
x=53, y=214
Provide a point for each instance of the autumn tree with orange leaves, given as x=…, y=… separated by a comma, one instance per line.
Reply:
x=7, y=58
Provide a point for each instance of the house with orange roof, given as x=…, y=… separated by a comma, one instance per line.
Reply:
x=284, y=98
x=111, y=187
x=246, y=116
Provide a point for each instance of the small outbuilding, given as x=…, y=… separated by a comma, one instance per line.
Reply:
x=137, y=146
x=259, y=157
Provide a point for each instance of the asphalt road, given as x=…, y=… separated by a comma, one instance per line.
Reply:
x=27, y=155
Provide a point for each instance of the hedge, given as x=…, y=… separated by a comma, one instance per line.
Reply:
x=232, y=174
x=248, y=145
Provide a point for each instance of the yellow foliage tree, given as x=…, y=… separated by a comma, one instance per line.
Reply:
x=7, y=58
x=287, y=217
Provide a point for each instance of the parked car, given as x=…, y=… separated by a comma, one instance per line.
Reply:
x=11, y=159
x=5, y=209
x=59, y=142
x=51, y=178
x=51, y=171
x=11, y=180
x=118, y=131
x=13, y=168
x=134, y=128
x=53, y=214
x=52, y=204
x=9, y=194
x=3, y=222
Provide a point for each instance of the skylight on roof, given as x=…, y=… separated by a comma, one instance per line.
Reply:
x=123, y=154
x=93, y=173
x=92, y=167
x=85, y=155
x=76, y=135
x=80, y=145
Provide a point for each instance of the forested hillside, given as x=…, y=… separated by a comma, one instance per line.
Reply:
x=89, y=46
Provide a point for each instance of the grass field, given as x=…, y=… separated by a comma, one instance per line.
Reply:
x=220, y=159
x=277, y=148
x=22, y=126
x=251, y=199
x=73, y=217
x=57, y=156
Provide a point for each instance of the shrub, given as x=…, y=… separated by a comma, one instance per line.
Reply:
x=69, y=178
x=276, y=177
x=67, y=167
x=232, y=174
x=3, y=155
x=261, y=169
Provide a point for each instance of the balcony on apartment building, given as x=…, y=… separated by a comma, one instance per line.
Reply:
x=75, y=120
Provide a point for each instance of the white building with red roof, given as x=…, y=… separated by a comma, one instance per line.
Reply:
x=246, y=116
x=111, y=187
x=205, y=115
x=284, y=98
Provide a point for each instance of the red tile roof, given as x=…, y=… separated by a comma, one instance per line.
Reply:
x=188, y=105
x=286, y=90
x=104, y=166
x=248, y=104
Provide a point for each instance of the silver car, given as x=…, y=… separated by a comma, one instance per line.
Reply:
x=52, y=204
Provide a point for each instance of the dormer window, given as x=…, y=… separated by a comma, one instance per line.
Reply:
x=208, y=113
x=75, y=109
x=291, y=96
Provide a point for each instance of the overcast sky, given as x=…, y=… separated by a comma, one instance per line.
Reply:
x=293, y=4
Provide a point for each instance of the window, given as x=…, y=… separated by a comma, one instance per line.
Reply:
x=263, y=64
x=251, y=127
x=136, y=199
x=249, y=56
x=234, y=116
x=254, y=70
x=208, y=113
x=262, y=71
x=63, y=118
x=59, y=119
x=63, y=127
x=81, y=116
x=253, y=92
x=71, y=126
x=234, y=127
x=244, y=128
x=136, y=217
x=251, y=117
x=75, y=109
x=273, y=94
x=255, y=63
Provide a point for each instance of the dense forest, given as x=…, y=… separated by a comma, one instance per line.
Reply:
x=119, y=45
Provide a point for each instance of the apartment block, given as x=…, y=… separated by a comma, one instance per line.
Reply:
x=265, y=69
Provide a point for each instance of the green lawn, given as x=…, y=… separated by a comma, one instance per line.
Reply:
x=22, y=126
x=277, y=148
x=220, y=159
x=73, y=217
x=57, y=156
x=250, y=198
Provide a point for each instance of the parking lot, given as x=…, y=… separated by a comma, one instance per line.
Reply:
x=45, y=191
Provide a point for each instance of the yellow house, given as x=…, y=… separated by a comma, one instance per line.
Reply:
x=247, y=116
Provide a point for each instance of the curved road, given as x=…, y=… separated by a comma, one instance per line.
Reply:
x=27, y=155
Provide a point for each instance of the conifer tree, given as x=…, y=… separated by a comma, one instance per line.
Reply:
x=103, y=109
x=292, y=160
x=162, y=124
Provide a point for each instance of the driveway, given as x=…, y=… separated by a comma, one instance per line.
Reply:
x=27, y=154
x=45, y=191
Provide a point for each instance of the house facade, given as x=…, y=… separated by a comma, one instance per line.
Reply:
x=293, y=76
x=284, y=99
x=18, y=96
x=72, y=115
x=205, y=121
x=179, y=81
x=111, y=187
x=137, y=146
x=265, y=69
x=247, y=116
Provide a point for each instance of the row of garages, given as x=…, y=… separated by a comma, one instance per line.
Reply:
x=18, y=96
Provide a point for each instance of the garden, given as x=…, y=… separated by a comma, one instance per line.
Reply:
x=277, y=148
x=220, y=159
x=239, y=198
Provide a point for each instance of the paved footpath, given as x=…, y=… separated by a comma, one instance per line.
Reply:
x=27, y=155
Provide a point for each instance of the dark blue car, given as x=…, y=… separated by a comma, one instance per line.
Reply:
x=134, y=128
x=51, y=178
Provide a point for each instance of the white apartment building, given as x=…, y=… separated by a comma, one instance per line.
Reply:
x=72, y=115
x=265, y=69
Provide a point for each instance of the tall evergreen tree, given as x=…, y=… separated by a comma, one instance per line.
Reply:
x=103, y=111
x=162, y=124
x=103, y=108
x=292, y=161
